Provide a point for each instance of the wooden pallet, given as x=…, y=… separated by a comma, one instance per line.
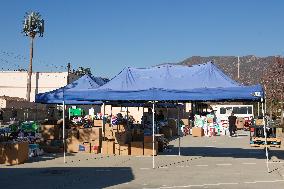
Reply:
x=268, y=145
x=268, y=139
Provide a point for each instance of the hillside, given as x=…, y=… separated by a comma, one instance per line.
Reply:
x=251, y=67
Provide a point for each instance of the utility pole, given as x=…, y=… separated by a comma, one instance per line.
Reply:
x=32, y=25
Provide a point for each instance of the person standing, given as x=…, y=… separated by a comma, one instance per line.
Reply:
x=14, y=115
x=1, y=116
x=232, y=124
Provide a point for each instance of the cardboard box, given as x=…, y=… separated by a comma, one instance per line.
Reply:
x=95, y=149
x=124, y=150
x=148, y=149
x=258, y=122
x=14, y=153
x=148, y=139
x=172, y=123
x=137, y=148
x=116, y=149
x=120, y=127
x=240, y=122
x=98, y=123
x=89, y=134
x=50, y=132
x=197, y=132
x=72, y=145
x=138, y=137
x=104, y=147
x=167, y=131
x=108, y=147
x=72, y=133
x=185, y=122
x=122, y=137
x=2, y=157
x=52, y=149
x=87, y=146
x=109, y=135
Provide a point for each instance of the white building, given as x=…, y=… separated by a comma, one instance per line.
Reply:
x=14, y=83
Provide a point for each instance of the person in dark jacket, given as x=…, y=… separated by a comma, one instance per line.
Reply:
x=232, y=124
x=1, y=116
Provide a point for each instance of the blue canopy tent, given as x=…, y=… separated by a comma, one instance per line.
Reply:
x=56, y=96
x=203, y=82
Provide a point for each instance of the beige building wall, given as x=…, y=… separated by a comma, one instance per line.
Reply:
x=137, y=113
x=14, y=83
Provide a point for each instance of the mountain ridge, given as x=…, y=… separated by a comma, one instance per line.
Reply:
x=252, y=67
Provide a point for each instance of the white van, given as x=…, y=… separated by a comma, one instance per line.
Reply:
x=224, y=111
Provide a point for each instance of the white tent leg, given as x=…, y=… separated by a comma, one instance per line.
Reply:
x=265, y=134
x=178, y=132
x=104, y=129
x=257, y=108
x=153, y=134
x=63, y=132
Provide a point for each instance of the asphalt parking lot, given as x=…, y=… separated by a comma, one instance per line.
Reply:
x=216, y=162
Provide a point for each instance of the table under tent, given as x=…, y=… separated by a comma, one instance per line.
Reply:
x=169, y=84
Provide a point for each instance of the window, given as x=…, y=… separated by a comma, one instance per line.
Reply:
x=222, y=110
x=243, y=110
x=249, y=110
x=228, y=110
x=236, y=110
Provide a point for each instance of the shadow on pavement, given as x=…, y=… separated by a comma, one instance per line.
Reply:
x=65, y=177
x=258, y=153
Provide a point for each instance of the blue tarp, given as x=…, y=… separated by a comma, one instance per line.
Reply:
x=203, y=82
x=56, y=96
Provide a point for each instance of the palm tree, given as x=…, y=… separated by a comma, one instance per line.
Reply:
x=32, y=25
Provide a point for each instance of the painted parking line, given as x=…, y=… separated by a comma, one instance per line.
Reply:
x=249, y=163
x=144, y=168
x=201, y=165
x=224, y=164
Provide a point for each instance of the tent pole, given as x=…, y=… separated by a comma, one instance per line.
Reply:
x=178, y=131
x=265, y=134
x=63, y=131
x=111, y=114
x=258, y=109
x=104, y=130
x=153, y=134
x=127, y=117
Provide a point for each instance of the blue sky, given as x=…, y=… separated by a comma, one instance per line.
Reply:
x=108, y=35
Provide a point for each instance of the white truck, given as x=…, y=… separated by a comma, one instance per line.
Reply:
x=222, y=113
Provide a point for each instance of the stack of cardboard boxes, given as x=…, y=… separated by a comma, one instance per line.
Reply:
x=13, y=153
x=51, y=138
x=117, y=139
x=88, y=140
